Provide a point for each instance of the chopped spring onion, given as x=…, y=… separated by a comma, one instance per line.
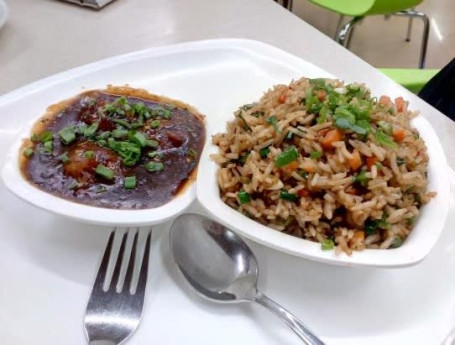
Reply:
x=119, y=133
x=89, y=154
x=67, y=135
x=327, y=244
x=289, y=155
x=28, y=152
x=400, y=161
x=154, y=166
x=46, y=136
x=362, y=178
x=48, y=146
x=152, y=143
x=384, y=139
x=243, y=197
x=397, y=242
x=155, y=124
x=264, y=152
x=288, y=196
x=64, y=158
x=90, y=130
x=105, y=172
x=130, y=182
x=192, y=154
x=315, y=154
x=140, y=138
x=273, y=121
x=243, y=158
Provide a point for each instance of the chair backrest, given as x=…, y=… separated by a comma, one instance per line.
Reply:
x=360, y=8
x=391, y=6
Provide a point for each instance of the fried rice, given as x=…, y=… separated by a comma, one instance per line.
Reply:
x=326, y=162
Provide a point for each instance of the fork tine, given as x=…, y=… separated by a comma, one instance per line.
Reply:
x=129, y=272
x=144, y=267
x=118, y=264
x=101, y=276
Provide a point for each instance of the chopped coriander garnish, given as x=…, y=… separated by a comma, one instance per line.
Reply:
x=67, y=135
x=264, y=152
x=155, y=124
x=89, y=154
x=123, y=123
x=243, y=197
x=154, y=166
x=288, y=196
x=130, y=182
x=28, y=152
x=35, y=138
x=289, y=155
x=105, y=172
x=103, y=135
x=315, y=154
x=327, y=244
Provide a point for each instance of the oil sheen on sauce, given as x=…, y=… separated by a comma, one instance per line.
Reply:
x=117, y=148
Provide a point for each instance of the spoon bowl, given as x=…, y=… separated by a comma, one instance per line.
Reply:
x=221, y=267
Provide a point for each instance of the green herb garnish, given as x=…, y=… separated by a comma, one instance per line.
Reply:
x=154, y=166
x=28, y=152
x=243, y=197
x=155, y=124
x=67, y=135
x=264, y=152
x=315, y=154
x=89, y=154
x=288, y=196
x=273, y=121
x=289, y=155
x=327, y=244
x=385, y=140
x=130, y=182
x=105, y=172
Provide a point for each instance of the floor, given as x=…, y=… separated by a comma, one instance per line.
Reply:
x=382, y=42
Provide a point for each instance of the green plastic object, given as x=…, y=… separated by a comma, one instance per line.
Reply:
x=412, y=79
x=361, y=8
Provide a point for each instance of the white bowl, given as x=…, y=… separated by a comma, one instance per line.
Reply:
x=414, y=249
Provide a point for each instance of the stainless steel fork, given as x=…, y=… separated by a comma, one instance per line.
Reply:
x=112, y=316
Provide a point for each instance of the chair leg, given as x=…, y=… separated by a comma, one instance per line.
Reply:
x=343, y=34
x=426, y=32
x=340, y=22
x=408, y=34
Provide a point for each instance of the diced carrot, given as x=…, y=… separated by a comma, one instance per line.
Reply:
x=308, y=167
x=331, y=136
x=352, y=190
x=401, y=104
x=303, y=193
x=321, y=95
x=282, y=98
x=398, y=135
x=359, y=236
x=356, y=161
x=385, y=100
x=371, y=161
x=291, y=167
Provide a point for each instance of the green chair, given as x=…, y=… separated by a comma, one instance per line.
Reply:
x=412, y=79
x=358, y=9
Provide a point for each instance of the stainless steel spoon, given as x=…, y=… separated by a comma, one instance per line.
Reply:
x=221, y=267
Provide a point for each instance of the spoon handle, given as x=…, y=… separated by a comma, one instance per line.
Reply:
x=295, y=324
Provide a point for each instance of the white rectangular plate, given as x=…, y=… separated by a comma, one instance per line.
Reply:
x=48, y=263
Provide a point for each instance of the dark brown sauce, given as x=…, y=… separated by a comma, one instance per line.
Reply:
x=179, y=138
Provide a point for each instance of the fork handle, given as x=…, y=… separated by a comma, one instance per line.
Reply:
x=102, y=342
